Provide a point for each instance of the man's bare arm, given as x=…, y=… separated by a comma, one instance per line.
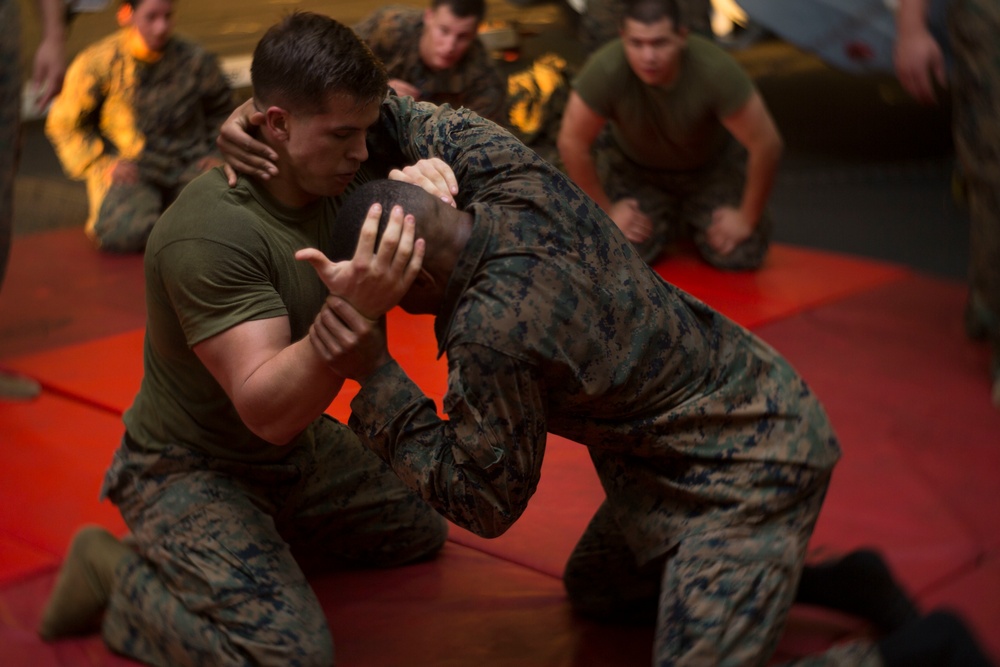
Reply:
x=278, y=387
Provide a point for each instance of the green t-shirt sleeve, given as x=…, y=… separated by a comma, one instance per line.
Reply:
x=215, y=285
x=731, y=84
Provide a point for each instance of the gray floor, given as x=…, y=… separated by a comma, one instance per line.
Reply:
x=866, y=170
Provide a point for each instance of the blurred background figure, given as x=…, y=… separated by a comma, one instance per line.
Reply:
x=668, y=134
x=137, y=120
x=435, y=55
x=603, y=18
x=974, y=80
x=46, y=79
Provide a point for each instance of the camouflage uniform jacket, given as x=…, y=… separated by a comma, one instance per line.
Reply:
x=393, y=33
x=163, y=115
x=552, y=323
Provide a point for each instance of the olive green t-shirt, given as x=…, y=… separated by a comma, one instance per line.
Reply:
x=219, y=256
x=674, y=127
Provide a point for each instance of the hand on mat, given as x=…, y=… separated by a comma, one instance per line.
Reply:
x=635, y=224
x=241, y=151
x=729, y=228
x=434, y=175
x=373, y=282
x=353, y=345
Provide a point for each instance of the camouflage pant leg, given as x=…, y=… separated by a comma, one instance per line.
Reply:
x=974, y=26
x=10, y=104
x=622, y=178
x=720, y=598
x=680, y=204
x=352, y=510
x=122, y=215
x=726, y=594
x=218, y=581
x=213, y=581
x=602, y=579
x=602, y=19
x=720, y=185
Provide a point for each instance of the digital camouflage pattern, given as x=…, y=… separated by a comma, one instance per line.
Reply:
x=975, y=83
x=10, y=107
x=163, y=115
x=222, y=546
x=709, y=446
x=680, y=203
x=393, y=34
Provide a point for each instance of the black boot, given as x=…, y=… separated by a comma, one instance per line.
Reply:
x=940, y=639
x=859, y=584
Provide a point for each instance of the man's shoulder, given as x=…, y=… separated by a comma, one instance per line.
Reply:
x=395, y=17
x=189, y=48
x=608, y=62
x=706, y=55
x=477, y=58
x=205, y=209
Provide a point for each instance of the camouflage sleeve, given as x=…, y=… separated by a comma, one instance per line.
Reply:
x=480, y=152
x=487, y=95
x=73, y=122
x=478, y=467
x=380, y=30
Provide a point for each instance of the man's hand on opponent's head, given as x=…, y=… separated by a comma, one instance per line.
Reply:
x=374, y=281
x=434, y=175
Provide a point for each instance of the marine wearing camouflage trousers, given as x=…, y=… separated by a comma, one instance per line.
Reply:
x=975, y=83
x=680, y=203
x=226, y=544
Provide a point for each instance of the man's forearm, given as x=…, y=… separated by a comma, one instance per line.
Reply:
x=581, y=169
x=286, y=393
x=51, y=14
x=911, y=15
x=762, y=166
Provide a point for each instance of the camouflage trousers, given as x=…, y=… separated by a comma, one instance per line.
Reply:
x=602, y=19
x=121, y=215
x=719, y=598
x=222, y=548
x=10, y=106
x=975, y=82
x=680, y=203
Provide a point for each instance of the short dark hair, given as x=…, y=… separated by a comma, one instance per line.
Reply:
x=307, y=57
x=463, y=8
x=651, y=11
x=354, y=209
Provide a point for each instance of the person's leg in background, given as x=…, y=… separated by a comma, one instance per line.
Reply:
x=975, y=83
x=721, y=184
x=121, y=214
x=11, y=386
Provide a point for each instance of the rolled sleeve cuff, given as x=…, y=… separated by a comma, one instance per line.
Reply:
x=385, y=396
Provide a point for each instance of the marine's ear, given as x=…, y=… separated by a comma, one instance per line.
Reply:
x=276, y=122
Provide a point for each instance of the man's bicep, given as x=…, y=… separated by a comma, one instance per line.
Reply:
x=751, y=123
x=580, y=121
x=233, y=355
